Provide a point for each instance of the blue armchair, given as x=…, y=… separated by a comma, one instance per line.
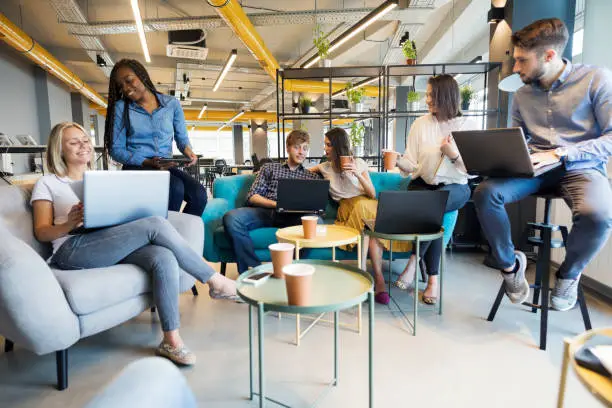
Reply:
x=230, y=193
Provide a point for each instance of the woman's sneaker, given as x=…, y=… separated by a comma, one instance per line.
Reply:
x=564, y=294
x=178, y=355
x=515, y=284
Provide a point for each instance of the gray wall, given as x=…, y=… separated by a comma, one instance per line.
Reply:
x=597, y=32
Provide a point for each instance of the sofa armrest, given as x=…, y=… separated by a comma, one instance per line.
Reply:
x=190, y=227
x=448, y=222
x=213, y=219
x=151, y=382
x=34, y=312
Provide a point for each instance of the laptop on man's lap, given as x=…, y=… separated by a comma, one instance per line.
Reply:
x=302, y=196
x=498, y=153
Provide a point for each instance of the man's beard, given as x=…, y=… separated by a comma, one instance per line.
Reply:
x=539, y=73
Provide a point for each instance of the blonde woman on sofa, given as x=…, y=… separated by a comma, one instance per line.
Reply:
x=151, y=243
x=350, y=185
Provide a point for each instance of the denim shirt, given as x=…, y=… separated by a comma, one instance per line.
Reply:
x=575, y=114
x=150, y=134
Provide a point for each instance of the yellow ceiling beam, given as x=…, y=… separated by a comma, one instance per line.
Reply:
x=18, y=39
x=234, y=16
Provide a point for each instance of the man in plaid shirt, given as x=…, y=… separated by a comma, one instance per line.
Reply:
x=261, y=200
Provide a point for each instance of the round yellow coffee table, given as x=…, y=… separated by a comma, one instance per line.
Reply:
x=335, y=236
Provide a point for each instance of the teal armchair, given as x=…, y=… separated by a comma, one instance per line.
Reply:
x=230, y=193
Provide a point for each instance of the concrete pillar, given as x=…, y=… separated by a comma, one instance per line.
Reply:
x=42, y=104
x=53, y=102
x=259, y=138
x=100, y=125
x=238, y=144
x=80, y=110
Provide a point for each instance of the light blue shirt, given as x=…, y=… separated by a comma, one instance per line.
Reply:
x=150, y=134
x=574, y=114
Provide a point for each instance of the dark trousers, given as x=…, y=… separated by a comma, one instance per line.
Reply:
x=183, y=187
x=240, y=221
x=458, y=195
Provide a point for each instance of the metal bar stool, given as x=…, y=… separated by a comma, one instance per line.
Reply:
x=541, y=287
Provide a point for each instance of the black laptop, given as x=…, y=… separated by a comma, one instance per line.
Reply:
x=409, y=212
x=297, y=196
x=498, y=153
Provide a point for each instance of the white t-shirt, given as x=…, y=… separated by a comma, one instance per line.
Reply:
x=423, y=150
x=58, y=190
x=343, y=185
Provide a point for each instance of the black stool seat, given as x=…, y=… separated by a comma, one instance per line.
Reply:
x=545, y=243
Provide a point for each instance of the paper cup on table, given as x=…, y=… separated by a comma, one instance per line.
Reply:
x=282, y=255
x=298, y=280
x=390, y=159
x=345, y=160
x=309, y=224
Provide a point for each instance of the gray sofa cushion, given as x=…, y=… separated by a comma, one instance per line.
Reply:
x=112, y=316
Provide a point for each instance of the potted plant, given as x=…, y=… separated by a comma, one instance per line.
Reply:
x=305, y=104
x=355, y=96
x=321, y=42
x=413, y=100
x=467, y=96
x=356, y=136
x=409, y=50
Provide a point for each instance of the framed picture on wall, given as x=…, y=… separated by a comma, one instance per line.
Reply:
x=5, y=141
x=26, y=140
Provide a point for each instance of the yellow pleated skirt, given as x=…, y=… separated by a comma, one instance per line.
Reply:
x=353, y=212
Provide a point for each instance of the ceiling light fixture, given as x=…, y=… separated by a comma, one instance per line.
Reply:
x=226, y=68
x=361, y=25
x=357, y=85
x=236, y=116
x=202, y=111
x=140, y=29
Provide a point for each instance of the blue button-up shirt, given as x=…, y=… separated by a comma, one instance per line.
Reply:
x=574, y=114
x=150, y=134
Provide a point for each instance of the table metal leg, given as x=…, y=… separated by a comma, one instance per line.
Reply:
x=440, y=278
x=564, y=366
x=334, y=254
x=251, y=352
x=335, y=348
x=260, y=316
x=359, y=314
x=297, y=316
x=359, y=251
x=416, y=287
x=371, y=346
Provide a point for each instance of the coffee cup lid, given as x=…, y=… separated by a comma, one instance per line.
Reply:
x=281, y=246
x=310, y=217
x=298, y=270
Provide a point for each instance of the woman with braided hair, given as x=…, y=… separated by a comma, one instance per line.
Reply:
x=141, y=124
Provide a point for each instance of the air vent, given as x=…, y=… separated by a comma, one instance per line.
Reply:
x=189, y=44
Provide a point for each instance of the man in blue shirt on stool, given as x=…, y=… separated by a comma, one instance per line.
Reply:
x=566, y=112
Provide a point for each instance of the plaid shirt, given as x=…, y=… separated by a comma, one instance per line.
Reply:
x=266, y=182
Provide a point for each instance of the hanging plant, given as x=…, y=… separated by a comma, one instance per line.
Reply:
x=321, y=42
x=357, y=134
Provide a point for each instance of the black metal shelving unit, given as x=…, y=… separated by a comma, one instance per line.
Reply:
x=330, y=74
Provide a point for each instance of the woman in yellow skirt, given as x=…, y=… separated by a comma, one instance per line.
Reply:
x=351, y=186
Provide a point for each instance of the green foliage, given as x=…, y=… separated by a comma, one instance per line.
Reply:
x=305, y=101
x=409, y=49
x=413, y=96
x=320, y=42
x=354, y=95
x=357, y=134
x=467, y=94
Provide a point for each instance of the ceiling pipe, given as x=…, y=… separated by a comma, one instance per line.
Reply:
x=220, y=116
x=234, y=16
x=16, y=38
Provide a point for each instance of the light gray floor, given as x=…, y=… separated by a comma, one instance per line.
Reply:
x=456, y=360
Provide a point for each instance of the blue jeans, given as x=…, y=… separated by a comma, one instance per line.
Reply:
x=458, y=195
x=183, y=187
x=240, y=221
x=586, y=192
x=151, y=243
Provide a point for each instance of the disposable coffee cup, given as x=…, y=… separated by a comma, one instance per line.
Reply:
x=298, y=280
x=344, y=160
x=309, y=225
x=390, y=159
x=282, y=255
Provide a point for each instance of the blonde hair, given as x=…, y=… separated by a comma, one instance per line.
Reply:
x=55, y=160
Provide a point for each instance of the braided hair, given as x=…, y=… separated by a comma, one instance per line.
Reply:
x=115, y=93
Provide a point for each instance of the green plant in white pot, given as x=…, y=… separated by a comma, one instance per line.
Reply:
x=321, y=43
x=355, y=96
x=467, y=96
x=356, y=136
x=413, y=100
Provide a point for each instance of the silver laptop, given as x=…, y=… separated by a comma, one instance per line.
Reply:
x=116, y=197
x=498, y=153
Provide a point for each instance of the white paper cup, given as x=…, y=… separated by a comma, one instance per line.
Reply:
x=309, y=225
x=282, y=255
x=298, y=280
